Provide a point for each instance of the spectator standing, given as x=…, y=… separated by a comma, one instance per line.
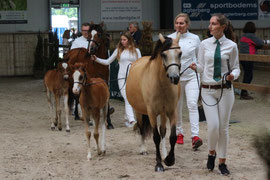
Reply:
x=249, y=44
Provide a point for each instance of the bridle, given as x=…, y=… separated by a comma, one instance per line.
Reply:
x=173, y=64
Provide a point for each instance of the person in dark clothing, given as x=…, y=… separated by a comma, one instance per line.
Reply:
x=249, y=44
x=135, y=32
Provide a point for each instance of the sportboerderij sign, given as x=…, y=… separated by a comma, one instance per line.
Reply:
x=234, y=10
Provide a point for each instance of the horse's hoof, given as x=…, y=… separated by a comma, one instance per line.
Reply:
x=77, y=118
x=52, y=128
x=159, y=168
x=169, y=161
x=110, y=126
x=68, y=130
x=60, y=129
x=111, y=110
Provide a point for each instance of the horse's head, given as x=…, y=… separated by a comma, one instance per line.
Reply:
x=64, y=68
x=170, y=53
x=79, y=77
x=97, y=37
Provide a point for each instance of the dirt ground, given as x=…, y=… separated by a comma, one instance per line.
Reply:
x=30, y=150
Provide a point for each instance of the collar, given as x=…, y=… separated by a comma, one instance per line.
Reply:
x=221, y=40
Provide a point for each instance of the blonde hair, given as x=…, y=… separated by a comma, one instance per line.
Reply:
x=184, y=15
x=131, y=45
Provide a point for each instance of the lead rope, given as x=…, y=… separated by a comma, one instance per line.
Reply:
x=200, y=90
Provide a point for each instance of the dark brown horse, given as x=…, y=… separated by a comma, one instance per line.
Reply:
x=153, y=90
x=94, y=96
x=98, y=45
x=56, y=81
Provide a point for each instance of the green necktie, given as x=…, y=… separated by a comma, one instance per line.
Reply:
x=217, y=63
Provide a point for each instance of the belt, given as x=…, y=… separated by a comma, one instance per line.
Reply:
x=214, y=86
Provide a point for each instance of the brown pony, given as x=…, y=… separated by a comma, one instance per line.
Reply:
x=98, y=45
x=153, y=89
x=56, y=81
x=94, y=96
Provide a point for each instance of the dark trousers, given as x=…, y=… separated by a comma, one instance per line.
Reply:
x=248, y=73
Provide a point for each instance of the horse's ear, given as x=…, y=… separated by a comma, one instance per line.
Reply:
x=91, y=22
x=178, y=36
x=161, y=38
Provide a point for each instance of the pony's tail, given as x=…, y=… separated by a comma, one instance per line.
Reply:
x=144, y=127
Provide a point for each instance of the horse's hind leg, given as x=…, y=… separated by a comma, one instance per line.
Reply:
x=142, y=123
x=96, y=117
x=66, y=111
x=109, y=122
x=103, y=127
x=58, y=112
x=170, y=159
x=49, y=99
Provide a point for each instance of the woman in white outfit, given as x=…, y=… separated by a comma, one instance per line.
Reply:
x=126, y=53
x=189, y=44
x=213, y=55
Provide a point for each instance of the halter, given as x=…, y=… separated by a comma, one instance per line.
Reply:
x=173, y=64
x=84, y=80
x=97, y=44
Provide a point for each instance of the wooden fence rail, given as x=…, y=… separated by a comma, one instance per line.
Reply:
x=265, y=89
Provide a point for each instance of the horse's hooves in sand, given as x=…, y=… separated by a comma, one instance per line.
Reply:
x=68, y=130
x=159, y=168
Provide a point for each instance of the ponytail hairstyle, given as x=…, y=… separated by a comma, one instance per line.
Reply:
x=228, y=31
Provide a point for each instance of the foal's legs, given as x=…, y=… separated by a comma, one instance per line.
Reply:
x=67, y=111
x=103, y=127
x=58, y=111
x=86, y=117
x=96, y=117
x=170, y=159
x=49, y=99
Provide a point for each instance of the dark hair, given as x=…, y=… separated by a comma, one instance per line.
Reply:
x=249, y=27
x=160, y=47
x=228, y=31
x=85, y=24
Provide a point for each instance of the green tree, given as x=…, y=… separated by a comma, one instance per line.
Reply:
x=70, y=12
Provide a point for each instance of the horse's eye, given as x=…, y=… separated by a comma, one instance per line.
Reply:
x=80, y=77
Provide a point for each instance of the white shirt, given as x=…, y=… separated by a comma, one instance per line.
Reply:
x=126, y=58
x=80, y=42
x=228, y=50
x=189, y=44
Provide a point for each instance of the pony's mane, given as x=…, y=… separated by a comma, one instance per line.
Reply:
x=160, y=47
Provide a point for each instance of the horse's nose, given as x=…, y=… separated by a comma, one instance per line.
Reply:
x=75, y=90
x=175, y=79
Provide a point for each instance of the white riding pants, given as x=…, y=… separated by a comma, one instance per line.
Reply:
x=217, y=118
x=128, y=107
x=191, y=89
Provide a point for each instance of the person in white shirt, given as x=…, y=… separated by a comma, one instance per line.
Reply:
x=189, y=44
x=126, y=53
x=218, y=61
x=81, y=42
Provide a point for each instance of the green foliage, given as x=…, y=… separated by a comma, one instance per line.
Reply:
x=13, y=5
x=70, y=12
